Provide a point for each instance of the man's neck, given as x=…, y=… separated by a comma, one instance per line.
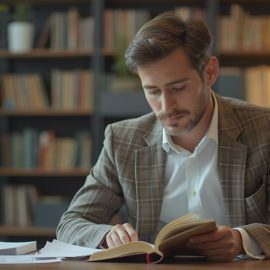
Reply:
x=192, y=139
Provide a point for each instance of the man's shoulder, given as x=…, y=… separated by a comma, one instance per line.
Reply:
x=141, y=122
x=241, y=117
x=133, y=128
x=242, y=109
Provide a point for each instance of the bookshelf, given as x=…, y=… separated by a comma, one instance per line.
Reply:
x=28, y=188
x=243, y=43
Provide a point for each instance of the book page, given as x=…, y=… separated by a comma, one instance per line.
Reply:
x=60, y=249
x=176, y=244
x=177, y=225
x=128, y=249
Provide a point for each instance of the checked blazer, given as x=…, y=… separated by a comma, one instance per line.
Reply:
x=131, y=167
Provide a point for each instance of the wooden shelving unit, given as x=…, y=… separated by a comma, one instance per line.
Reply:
x=11, y=172
x=246, y=53
x=26, y=231
x=45, y=113
x=45, y=53
x=57, y=183
x=47, y=2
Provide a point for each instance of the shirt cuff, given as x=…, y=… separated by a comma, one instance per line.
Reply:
x=250, y=246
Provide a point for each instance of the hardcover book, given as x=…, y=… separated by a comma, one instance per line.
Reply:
x=170, y=241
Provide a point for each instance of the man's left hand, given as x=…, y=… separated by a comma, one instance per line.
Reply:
x=222, y=244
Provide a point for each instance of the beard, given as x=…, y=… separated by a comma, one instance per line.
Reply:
x=176, y=128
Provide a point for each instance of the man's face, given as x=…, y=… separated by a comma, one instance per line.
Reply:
x=176, y=92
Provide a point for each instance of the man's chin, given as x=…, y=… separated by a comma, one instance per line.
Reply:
x=177, y=132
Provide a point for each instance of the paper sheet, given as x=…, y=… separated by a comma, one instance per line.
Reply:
x=26, y=259
x=63, y=250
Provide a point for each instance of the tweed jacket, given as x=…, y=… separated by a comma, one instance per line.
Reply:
x=131, y=168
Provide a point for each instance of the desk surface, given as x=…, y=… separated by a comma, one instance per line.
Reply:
x=180, y=264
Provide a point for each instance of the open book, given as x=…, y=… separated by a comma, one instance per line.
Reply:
x=170, y=241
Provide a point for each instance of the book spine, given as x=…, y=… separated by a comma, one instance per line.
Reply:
x=153, y=258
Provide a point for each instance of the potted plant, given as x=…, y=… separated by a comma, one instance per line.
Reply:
x=121, y=79
x=21, y=29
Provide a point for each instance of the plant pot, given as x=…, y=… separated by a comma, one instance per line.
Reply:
x=20, y=36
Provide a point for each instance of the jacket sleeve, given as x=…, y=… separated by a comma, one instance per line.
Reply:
x=261, y=234
x=86, y=221
x=258, y=231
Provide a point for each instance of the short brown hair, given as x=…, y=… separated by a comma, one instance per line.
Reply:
x=165, y=33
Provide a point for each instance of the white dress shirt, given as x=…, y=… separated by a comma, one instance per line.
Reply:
x=193, y=184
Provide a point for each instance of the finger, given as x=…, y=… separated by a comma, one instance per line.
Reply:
x=133, y=236
x=221, y=252
x=119, y=235
x=216, y=235
x=113, y=239
x=225, y=243
x=215, y=252
x=124, y=235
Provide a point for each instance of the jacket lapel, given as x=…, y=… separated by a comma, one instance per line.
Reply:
x=231, y=163
x=150, y=170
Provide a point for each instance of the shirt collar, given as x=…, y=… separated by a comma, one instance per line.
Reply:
x=212, y=132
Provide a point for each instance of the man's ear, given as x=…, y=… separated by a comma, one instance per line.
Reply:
x=211, y=71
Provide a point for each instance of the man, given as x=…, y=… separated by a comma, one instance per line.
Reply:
x=197, y=152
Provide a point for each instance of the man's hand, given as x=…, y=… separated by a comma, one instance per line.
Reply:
x=121, y=234
x=220, y=245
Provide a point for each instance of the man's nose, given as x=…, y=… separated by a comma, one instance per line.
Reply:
x=167, y=102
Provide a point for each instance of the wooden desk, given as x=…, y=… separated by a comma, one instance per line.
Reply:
x=177, y=265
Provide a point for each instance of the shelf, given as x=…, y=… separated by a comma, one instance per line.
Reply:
x=119, y=104
x=45, y=113
x=143, y=3
x=11, y=172
x=26, y=231
x=46, y=2
x=244, y=2
x=241, y=53
x=244, y=58
x=46, y=53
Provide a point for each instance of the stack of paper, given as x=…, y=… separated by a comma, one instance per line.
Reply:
x=26, y=259
x=54, y=251
x=17, y=248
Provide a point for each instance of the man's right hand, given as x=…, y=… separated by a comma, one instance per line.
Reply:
x=121, y=234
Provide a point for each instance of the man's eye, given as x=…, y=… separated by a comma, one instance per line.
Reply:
x=179, y=88
x=153, y=92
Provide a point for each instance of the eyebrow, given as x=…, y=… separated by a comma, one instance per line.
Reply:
x=167, y=84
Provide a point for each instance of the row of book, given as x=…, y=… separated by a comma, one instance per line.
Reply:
x=67, y=30
x=257, y=84
x=70, y=90
x=24, y=205
x=121, y=26
x=32, y=149
x=23, y=91
x=240, y=30
x=251, y=84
